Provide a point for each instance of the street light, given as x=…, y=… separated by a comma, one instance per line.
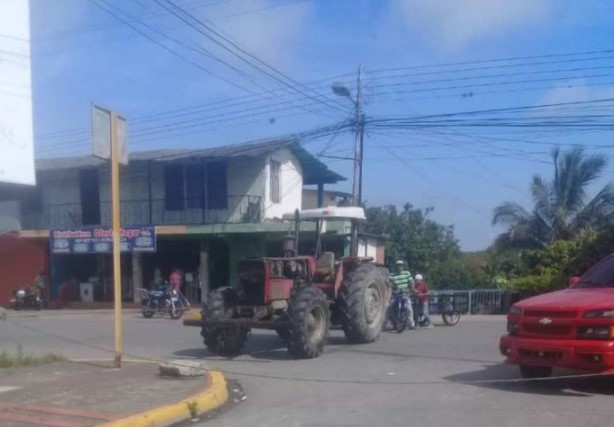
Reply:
x=341, y=90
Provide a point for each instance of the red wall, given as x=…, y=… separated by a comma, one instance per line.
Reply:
x=20, y=261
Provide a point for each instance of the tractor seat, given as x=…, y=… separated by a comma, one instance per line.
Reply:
x=325, y=265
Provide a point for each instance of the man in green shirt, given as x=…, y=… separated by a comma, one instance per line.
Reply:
x=403, y=284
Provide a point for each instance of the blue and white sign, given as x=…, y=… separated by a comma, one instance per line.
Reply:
x=98, y=240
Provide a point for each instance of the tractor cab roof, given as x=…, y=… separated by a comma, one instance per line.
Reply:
x=352, y=213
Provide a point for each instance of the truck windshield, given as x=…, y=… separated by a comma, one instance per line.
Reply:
x=600, y=276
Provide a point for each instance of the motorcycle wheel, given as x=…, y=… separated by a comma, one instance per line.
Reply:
x=176, y=313
x=18, y=305
x=148, y=313
x=400, y=324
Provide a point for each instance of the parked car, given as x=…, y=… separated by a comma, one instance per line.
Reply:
x=571, y=328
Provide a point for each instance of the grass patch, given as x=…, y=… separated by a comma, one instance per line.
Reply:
x=20, y=360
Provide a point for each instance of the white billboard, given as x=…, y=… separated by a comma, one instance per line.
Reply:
x=16, y=138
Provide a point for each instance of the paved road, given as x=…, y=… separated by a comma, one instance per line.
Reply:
x=417, y=378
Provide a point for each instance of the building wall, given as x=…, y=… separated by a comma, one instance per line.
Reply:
x=310, y=199
x=291, y=184
x=20, y=261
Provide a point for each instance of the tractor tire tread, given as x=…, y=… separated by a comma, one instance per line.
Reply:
x=351, y=304
x=298, y=344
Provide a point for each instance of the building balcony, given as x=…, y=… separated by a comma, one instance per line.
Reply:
x=237, y=209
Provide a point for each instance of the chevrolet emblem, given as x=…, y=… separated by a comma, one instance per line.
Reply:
x=545, y=321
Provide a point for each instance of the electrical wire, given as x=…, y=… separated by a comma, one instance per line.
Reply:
x=241, y=53
x=101, y=5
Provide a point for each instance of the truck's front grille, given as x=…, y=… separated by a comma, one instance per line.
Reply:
x=551, y=314
x=545, y=330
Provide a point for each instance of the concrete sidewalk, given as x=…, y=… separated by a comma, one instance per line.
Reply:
x=82, y=394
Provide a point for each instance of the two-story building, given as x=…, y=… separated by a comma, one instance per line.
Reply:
x=207, y=208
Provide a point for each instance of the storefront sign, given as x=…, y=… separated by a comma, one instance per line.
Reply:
x=100, y=240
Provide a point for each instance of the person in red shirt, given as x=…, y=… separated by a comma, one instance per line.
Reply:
x=423, y=293
x=175, y=280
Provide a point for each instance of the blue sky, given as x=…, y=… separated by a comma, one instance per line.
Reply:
x=81, y=54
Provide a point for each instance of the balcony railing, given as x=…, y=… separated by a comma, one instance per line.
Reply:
x=238, y=209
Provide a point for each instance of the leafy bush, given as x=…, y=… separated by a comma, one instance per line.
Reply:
x=530, y=285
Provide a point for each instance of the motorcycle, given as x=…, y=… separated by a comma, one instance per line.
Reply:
x=162, y=301
x=23, y=299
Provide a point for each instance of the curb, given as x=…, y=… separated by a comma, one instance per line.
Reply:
x=193, y=320
x=212, y=397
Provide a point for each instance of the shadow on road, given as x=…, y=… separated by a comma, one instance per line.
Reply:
x=263, y=346
x=502, y=378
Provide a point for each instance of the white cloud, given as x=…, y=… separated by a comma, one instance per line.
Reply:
x=452, y=25
x=576, y=91
x=263, y=27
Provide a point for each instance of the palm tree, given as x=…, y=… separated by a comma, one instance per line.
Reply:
x=561, y=208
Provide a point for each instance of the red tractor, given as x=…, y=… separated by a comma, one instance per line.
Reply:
x=299, y=296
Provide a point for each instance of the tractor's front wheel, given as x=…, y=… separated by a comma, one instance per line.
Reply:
x=362, y=302
x=310, y=322
x=223, y=341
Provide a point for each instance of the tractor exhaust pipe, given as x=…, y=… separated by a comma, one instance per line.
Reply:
x=297, y=230
x=290, y=242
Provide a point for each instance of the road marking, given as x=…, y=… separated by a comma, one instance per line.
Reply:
x=4, y=389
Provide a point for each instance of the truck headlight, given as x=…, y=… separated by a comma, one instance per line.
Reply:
x=596, y=332
x=596, y=314
x=515, y=311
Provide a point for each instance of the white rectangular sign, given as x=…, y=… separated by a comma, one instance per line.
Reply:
x=101, y=135
x=16, y=134
x=101, y=132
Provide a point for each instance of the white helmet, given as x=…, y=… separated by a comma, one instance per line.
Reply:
x=418, y=277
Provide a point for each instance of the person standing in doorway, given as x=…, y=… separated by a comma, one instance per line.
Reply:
x=176, y=280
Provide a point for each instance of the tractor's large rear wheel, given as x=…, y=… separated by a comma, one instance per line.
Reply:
x=223, y=341
x=309, y=323
x=362, y=302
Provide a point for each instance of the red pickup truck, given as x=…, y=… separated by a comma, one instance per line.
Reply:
x=572, y=328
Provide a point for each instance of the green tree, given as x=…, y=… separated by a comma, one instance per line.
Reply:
x=427, y=246
x=561, y=207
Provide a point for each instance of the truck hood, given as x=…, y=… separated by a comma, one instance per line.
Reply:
x=571, y=299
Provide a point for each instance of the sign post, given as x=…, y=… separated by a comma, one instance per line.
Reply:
x=117, y=271
x=109, y=138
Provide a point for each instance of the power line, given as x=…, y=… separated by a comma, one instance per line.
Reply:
x=239, y=52
x=500, y=75
x=503, y=83
x=491, y=60
x=196, y=109
x=419, y=172
x=162, y=45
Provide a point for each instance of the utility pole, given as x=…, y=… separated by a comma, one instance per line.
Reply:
x=356, y=190
x=362, y=153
